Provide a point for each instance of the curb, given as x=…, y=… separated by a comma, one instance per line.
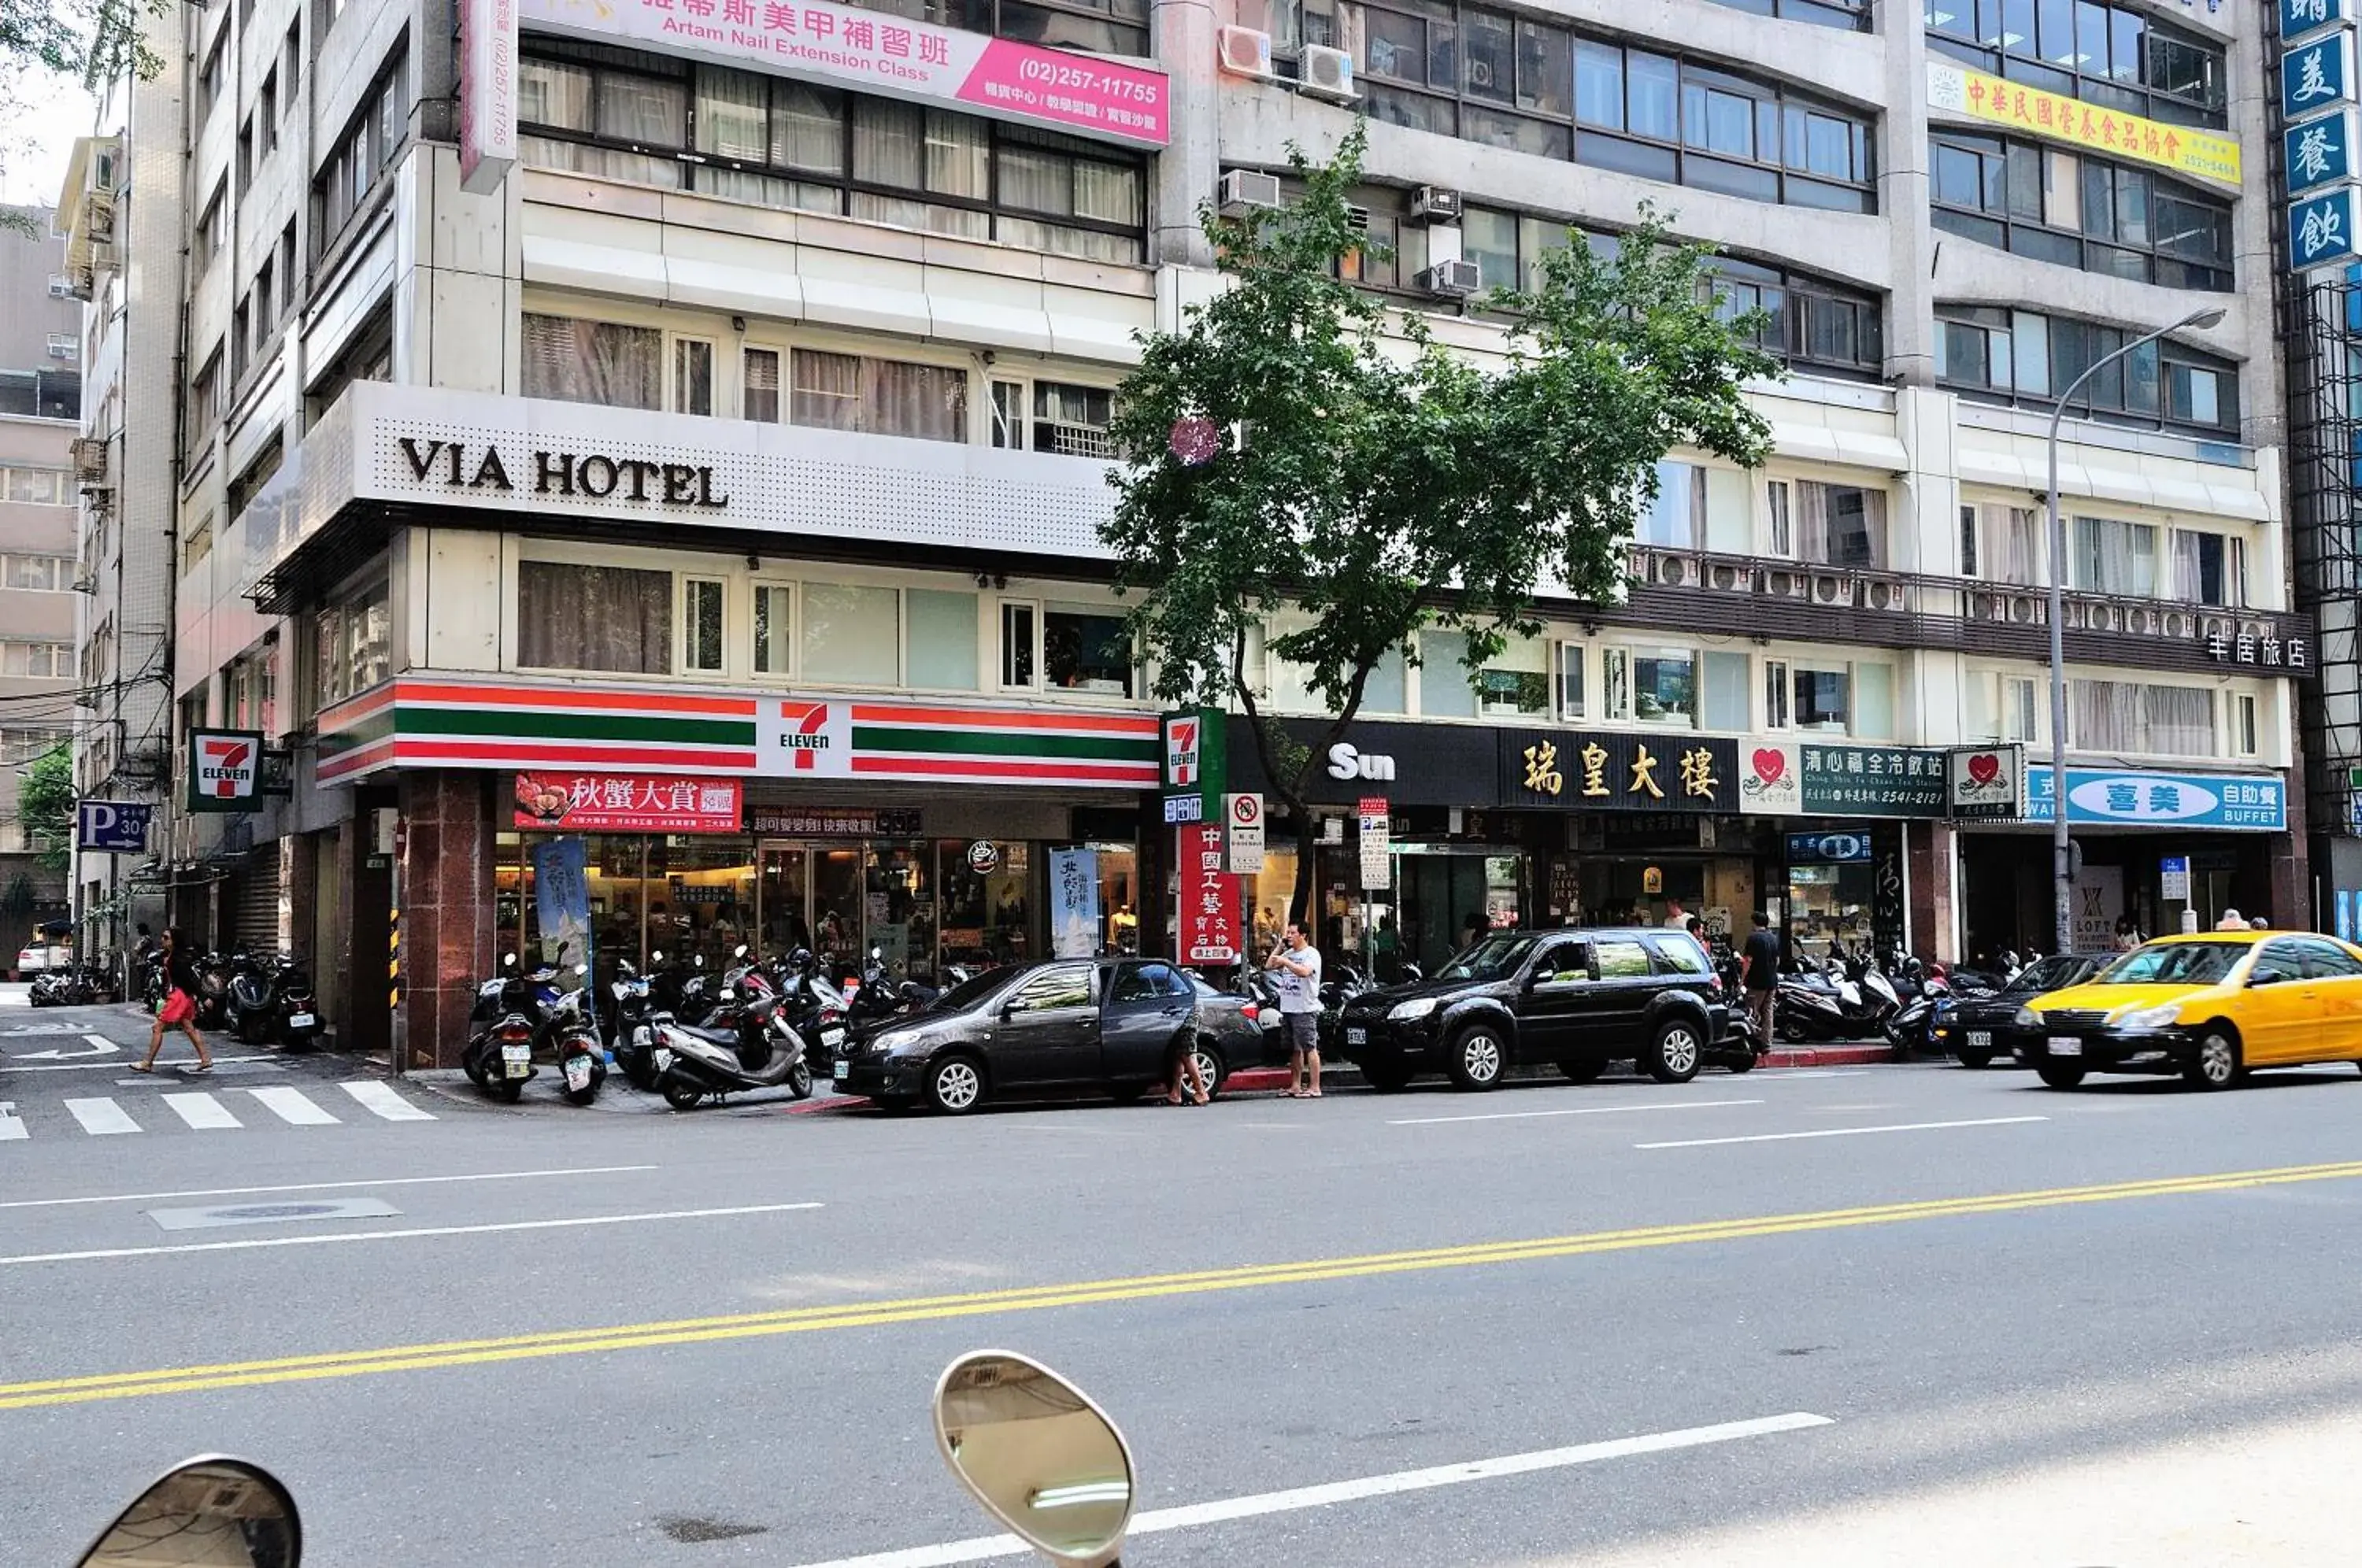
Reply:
x=1829, y=1056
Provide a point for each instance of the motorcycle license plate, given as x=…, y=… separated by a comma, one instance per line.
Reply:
x=844, y=1070
x=2066, y=1045
x=578, y=1073
x=1357, y=1037
x=520, y=1069
x=832, y=1037
x=1979, y=1039
x=301, y=1021
x=517, y=1053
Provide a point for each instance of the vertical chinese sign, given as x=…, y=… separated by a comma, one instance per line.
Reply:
x=1209, y=899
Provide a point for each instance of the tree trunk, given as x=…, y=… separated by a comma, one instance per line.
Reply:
x=1289, y=787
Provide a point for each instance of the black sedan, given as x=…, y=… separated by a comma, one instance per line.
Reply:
x=1980, y=1030
x=1110, y=1025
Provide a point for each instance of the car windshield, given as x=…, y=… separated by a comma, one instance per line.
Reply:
x=1489, y=959
x=2175, y=963
x=2053, y=974
x=970, y=991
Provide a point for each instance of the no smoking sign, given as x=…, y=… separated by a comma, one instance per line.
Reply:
x=1242, y=845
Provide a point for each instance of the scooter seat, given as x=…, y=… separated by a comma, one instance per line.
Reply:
x=725, y=1038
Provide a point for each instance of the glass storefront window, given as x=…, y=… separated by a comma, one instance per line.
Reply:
x=1829, y=906
x=701, y=896
x=898, y=905
x=984, y=915
x=836, y=902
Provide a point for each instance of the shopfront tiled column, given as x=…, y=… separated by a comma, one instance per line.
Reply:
x=446, y=894
x=1934, y=851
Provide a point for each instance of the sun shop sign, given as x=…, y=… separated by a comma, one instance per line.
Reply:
x=626, y=802
x=1087, y=94
x=224, y=769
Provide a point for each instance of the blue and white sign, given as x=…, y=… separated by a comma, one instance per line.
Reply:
x=1828, y=848
x=1074, y=902
x=111, y=827
x=2320, y=152
x=2135, y=798
x=2344, y=914
x=2318, y=75
x=2173, y=878
x=2321, y=228
x=2299, y=18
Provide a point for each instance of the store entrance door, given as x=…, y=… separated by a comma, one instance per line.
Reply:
x=811, y=896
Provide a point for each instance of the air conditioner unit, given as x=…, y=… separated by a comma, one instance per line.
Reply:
x=90, y=458
x=1243, y=191
x=1357, y=218
x=1245, y=53
x=102, y=219
x=1328, y=73
x=1435, y=204
x=1454, y=277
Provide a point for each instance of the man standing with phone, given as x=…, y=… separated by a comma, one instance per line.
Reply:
x=1296, y=962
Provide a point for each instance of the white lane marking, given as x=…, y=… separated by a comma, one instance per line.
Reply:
x=99, y=1117
x=984, y=1548
x=570, y=1223
x=109, y=1066
x=317, y=1185
x=1847, y=1132
x=290, y=1105
x=15, y=999
x=10, y=1128
x=383, y=1101
x=202, y=1110
x=1584, y=1110
x=99, y=1046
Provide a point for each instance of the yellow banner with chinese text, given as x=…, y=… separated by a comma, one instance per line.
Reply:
x=2057, y=117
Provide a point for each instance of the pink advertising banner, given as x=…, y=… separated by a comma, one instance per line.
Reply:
x=1086, y=95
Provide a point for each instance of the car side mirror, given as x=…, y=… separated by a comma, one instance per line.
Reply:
x=1008, y=1010
x=1039, y=1455
x=224, y=1511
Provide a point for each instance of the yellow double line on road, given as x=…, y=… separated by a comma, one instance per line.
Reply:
x=1139, y=1287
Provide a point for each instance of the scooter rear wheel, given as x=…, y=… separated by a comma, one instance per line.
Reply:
x=799, y=1081
x=683, y=1095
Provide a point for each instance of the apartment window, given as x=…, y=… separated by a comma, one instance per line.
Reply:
x=2209, y=569
x=775, y=628
x=1653, y=686
x=2000, y=708
x=63, y=346
x=241, y=340
x=352, y=645
x=759, y=399
x=1776, y=501
x=2110, y=54
x=266, y=302
x=287, y=268
x=1516, y=681
x=1809, y=324
x=1853, y=16
x=42, y=487
x=246, y=154
x=357, y=159
x=881, y=397
x=621, y=116
x=1009, y=415
x=1841, y=525
x=594, y=617
x=1674, y=517
x=2016, y=356
x=700, y=626
x=2080, y=211
x=1445, y=690
x=197, y=544
x=1070, y=420
x=1118, y=26
x=290, y=60
x=267, y=111
x=1823, y=700
x=2245, y=735
x=851, y=635
x=2000, y=543
x=943, y=640
x=1571, y=658
x=1775, y=694
x=593, y=361
x=39, y=660
x=2109, y=556
x=205, y=392
x=692, y=376
x=1019, y=645
x=2129, y=717
x=209, y=75
x=212, y=230
x=1086, y=649
x=1722, y=696
x=44, y=574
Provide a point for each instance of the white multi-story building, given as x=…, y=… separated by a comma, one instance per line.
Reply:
x=720, y=483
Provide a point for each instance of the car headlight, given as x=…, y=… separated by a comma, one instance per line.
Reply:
x=2142, y=1019
x=2026, y=1019
x=1417, y=1007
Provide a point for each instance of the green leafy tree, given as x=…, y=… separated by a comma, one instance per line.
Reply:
x=1297, y=443
x=46, y=803
x=95, y=42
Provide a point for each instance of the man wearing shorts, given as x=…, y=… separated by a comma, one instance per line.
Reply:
x=1296, y=962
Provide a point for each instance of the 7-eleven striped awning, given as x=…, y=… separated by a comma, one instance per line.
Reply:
x=426, y=721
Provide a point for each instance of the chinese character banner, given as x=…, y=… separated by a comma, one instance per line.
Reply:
x=2081, y=124
x=1603, y=770
x=626, y=802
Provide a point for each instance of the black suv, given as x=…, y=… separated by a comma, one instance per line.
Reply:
x=1582, y=999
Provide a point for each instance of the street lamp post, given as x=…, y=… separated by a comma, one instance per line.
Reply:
x=2062, y=877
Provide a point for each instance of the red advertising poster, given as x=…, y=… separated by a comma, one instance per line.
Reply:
x=1209, y=899
x=627, y=803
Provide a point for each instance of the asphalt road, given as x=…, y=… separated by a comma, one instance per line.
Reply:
x=592, y=1337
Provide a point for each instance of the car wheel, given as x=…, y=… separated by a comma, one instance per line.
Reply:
x=1479, y=1055
x=2059, y=1075
x=1674, y=1055
x=956, y=1085
x=1210, y=1072
x=1583, y=1069
x=1386, y=1079
x=1976, y=1058
x=2216, y=1065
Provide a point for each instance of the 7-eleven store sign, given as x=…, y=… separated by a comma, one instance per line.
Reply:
x=224, y=769
x=805, y=740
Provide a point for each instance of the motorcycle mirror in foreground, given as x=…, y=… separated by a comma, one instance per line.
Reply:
x=1038, y=1453
x=215, y=1512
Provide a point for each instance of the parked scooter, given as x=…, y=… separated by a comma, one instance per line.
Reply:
x=814, y=1008
x=298, y=1011
x=566, y=1030
x=746, y=1044
x=632, y=1036
x=252, y=1006
x=212, y=991
x=879, y=998
x=498, y=1056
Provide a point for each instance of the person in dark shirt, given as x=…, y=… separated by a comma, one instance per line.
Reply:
x=180, y=1009
x=1758, y=974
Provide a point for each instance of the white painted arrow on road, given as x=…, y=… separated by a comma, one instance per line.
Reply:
x=99, y=1046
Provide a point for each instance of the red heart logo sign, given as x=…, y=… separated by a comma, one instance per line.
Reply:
x=1984, y=768
x=1770, y=763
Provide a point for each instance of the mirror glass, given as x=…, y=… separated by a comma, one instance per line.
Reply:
x=1037, y=1453
x=218, y=1513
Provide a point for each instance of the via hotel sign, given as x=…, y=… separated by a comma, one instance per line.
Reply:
x=2320, y=141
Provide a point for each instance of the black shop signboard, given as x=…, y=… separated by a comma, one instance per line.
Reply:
x=1410, y=765
x=1607, y=770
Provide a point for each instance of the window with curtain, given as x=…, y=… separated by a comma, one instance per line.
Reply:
x=879, y=397
x=775, y=628
x=1841, y=525
x=942, y=639
x=2112, y=556
x=1675, y=518
x=1387, y=688
x=852, y=635
x=2131, y=717
x=2209, y=569
x=1873, y=701
x=2008, y=540
x=593, y=361
x=701, y=630
x=733, y=113
x=1725, y=698
x=760, y=402
x=594, y=617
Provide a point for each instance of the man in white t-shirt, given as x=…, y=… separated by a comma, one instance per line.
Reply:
x=1295, y=964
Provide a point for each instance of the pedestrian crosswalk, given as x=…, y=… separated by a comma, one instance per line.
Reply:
x=206, y=1111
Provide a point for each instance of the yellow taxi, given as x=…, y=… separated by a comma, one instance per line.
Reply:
x=2209, y=1007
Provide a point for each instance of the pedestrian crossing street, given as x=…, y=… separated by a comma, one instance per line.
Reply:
x=207, y=1111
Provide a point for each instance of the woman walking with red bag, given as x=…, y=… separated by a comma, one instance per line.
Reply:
x=180, y=1009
